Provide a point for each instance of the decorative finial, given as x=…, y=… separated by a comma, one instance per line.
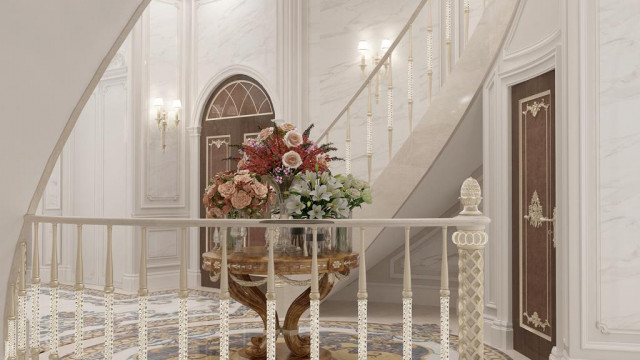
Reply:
x=470, y=197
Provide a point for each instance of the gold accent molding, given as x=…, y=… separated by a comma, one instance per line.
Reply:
x=536, y=321
x=536, y=107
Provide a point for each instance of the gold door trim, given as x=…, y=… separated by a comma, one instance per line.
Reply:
x=534, y=109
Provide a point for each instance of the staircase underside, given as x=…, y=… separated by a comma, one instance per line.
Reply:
x=444, y=148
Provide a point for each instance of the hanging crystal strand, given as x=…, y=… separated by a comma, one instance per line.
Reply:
x=448, y=34
x=314, y=297
x=34, y=341
x=79, y=287
x=444, y=299
x=224, y=298
x=430, y=50
x=22, y=303
x=369, y=133
x=143, y=297
x=53, y=294
x=362, y=300
x=410, y=79
x=390, y=107
x=347, y=147
x=407, y=302
x=466, y=21
x=183, y=346
x=108, y=297
x=10, y=343
x=271, y=299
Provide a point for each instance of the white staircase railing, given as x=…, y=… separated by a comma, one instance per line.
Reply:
x=384, y=69
x=470, y=239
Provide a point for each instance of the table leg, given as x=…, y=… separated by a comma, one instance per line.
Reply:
x=255, y=299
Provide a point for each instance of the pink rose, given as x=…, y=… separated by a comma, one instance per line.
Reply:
x=226, y=209
x=217, y=212
x=205, y=200
x=292, y=138
x=240, y=200
x=287, y=127
x=265, y=133
x=211, y=190
x=260, y=189
x=245, y=178
x=292, y=160
x=227, y=189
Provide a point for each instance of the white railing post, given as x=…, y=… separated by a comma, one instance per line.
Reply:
x=407, y=299
x=143, y=299
x=466, y=21
x=224, y=297
x=471, y=241
x=183, y=317
x=362, y=299
x=369, y=134
x=314, y=296
x=447, y=32
x=444, y=298
x=347, y=145
x=271, y=298
x=79, y=321
x=108, y=297
x=410, y=80
x=390, y=106
x=53, y=294
x=34, y=336
x=22, y=303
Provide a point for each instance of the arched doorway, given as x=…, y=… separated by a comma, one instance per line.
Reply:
x=235, y=111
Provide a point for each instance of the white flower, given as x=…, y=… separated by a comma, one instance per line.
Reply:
x=340, y=207
x=353, y=193
x=292, y=138
x=316, y=212
x=320, y=193
x=291, y=160
x=294, y=205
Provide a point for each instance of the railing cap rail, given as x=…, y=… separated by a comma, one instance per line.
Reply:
x=459, y=221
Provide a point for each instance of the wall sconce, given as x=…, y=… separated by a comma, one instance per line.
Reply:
x=161, y=117
x=363, y=48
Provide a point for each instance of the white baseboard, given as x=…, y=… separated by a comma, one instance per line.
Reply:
x=497, y=333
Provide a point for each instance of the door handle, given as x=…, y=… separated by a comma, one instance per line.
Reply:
x=535, y=217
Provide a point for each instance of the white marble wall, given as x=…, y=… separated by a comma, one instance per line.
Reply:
x=231, y=33
x=619, y=167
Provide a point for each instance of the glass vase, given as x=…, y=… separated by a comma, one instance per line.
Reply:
x=343, y=239
x=324, y=241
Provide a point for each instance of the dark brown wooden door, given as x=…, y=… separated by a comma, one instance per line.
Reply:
x=534, y=273
x=236, y=110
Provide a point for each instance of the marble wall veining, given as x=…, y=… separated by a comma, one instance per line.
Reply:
x=231, y=33
x=619, y=167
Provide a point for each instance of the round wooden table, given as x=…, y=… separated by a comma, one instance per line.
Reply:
x=254, y=262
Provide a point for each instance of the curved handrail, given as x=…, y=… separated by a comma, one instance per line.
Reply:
x=377, y=68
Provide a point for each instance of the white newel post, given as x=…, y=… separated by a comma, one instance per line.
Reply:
x=471, y=241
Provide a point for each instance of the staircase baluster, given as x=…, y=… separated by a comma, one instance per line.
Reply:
x=314, y=298
x=390, y=107
x=410, y=80
x=347, y=148
x=108, y=297
x=183, y=318
x=79, y=321
x=407, y=299
x=34, y=336
x=448, y=35
x=271, y=299
x=53, y=294
x=369, y=134
x=362, y=299
x=143, y=299
x=224, y=296
x=22, y=303
x=466, y=21
x=444, y=298
x=430, y=50
x=10, y=342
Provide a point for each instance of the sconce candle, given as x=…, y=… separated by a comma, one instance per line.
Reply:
x=161, y=117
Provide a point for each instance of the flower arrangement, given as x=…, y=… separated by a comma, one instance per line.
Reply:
x=237, y=194
x=356, y=191
x=317, y=196
x=280, y=152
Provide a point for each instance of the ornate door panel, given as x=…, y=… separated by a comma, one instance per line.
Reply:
x=237, y=110
x=533, y=183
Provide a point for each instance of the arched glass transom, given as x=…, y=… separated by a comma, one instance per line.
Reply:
x=239, y=98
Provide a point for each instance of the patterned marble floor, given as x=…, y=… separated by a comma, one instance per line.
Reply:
x=339, y=337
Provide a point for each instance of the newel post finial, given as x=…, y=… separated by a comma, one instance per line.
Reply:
x=470, y=197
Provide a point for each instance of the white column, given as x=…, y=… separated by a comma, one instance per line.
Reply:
x=470, y=241
x=224, y=297
x=143, y=296
x=53, y=294
x=362, y=299
x=407, y=299
x=183, y=317
x=34, y=341
x=108, y=297
x=79, y=301
x=314, y=296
